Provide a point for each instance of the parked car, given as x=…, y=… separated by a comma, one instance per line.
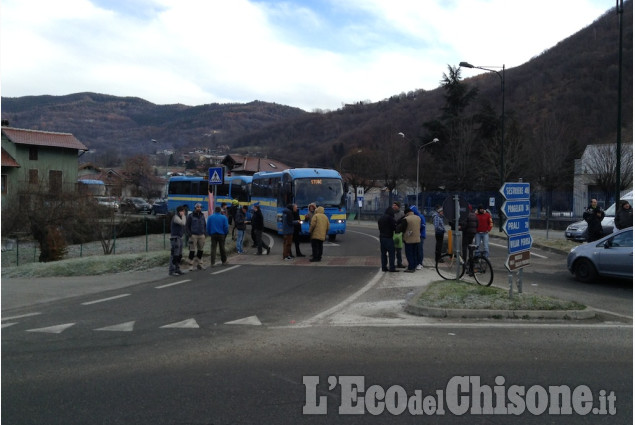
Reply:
x=135, y=205
x=610, y=256
x=160, y=206
x=108, y=201
x=578, y=230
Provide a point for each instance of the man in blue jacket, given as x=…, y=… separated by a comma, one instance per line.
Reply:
x=217, y=228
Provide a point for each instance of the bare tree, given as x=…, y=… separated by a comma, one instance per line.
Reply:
x=602, y=163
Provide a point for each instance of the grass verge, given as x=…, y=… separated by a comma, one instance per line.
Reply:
x=463, y=295
x=89, y=266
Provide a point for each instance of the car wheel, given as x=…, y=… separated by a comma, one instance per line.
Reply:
x=585, y=271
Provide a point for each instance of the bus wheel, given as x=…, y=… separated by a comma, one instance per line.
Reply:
x=332, y=238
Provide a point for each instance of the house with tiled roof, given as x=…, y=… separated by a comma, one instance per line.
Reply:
x=33, y=157
x=249, y=165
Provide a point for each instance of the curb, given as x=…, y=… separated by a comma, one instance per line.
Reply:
x=455, y=313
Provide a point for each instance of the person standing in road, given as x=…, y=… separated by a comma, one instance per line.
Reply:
x=410, y=226
x=439, y=233
x=257, y=227
x=241, y=226
x=387, y=225
x=195, y=229
x=297, y=228
x=177, y=228
x=594, y=216
x=218, y=227
x=287, y=231
x=624, y=216
x=485, y=225
x=396, y=206
x=468, y=227
x=422, y=232
x=318, y=230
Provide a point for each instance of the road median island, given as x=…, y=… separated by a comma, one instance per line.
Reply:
x=458, y=299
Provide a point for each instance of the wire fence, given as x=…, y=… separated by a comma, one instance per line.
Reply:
x=16, y=252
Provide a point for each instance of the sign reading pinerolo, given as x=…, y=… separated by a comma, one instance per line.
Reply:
x=516, y=209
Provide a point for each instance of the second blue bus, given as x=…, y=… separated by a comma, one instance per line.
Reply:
x=189, y=190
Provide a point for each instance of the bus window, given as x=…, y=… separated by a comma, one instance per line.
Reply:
x=240, y=191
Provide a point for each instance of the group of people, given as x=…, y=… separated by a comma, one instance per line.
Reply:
x=408, y=229
x=292, y=226
x=399, y=230
x=594, y=215
x=196, y=227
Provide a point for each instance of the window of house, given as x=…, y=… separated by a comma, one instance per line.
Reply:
x=33, y=153
x=4, y=184
x=33, y=176
x=55, y=181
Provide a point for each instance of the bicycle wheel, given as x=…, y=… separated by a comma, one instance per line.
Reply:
x=446, y=267
x=483, y=273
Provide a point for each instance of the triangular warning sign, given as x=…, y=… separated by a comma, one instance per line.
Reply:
x=215, y=178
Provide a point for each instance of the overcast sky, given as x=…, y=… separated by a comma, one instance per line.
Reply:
x=312, y=54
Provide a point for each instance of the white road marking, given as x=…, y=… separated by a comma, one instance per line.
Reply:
x=225, y=270
x=121, y=327
x=251, y=320
x=189, y=323
x=20, y=317
x=6, y=325
x=105, y=299
x=53, y=329
x=172, y=284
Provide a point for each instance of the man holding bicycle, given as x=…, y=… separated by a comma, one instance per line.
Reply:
x=485, y=225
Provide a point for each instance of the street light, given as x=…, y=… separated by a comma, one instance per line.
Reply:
x=502, y=158
x=435, y=140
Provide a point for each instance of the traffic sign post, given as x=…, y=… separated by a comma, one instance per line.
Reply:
x=516, y=209
x=216, y=177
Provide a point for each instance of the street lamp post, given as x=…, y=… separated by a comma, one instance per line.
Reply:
x=502, y=157
x=435, y=140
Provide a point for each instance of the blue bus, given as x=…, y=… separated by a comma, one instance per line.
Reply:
x=301, y=186
x=188, y=190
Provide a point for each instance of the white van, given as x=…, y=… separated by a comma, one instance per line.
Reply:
x=609, y=213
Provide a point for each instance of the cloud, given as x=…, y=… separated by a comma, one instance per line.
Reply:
x=308, y=54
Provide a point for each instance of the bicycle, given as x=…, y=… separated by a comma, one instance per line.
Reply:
x=476, y=266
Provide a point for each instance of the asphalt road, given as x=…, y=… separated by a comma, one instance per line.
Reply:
x=269, y=341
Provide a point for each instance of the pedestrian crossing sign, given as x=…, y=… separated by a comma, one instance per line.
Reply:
x=216, y=175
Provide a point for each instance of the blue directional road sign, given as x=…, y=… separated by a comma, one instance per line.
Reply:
x=518, y=243
x=514, y=209
x=514, y=191
x=516, y=226
x=216, y=175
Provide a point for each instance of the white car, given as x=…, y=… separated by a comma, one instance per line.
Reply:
x=578, y=230
x=108, y=201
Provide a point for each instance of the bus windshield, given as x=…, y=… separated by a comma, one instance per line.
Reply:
x=326, y=192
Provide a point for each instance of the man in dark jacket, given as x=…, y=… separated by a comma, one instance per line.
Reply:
x=387, y=225
x=257, y=226
x=594, y=216
x=287, y=231
x=195, y=228
x=624, y=216
x=468, y=227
